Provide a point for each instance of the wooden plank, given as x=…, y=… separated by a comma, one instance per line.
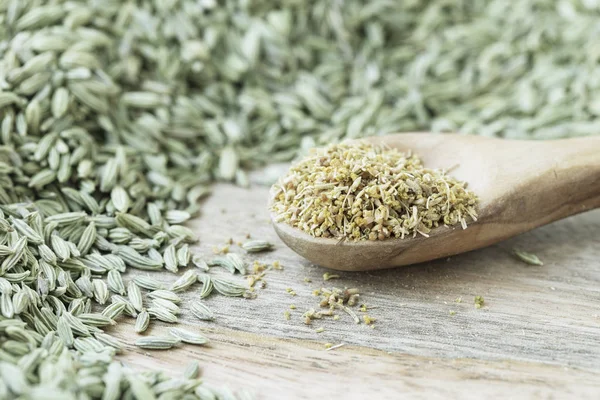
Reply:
x=538, y=331
x=276, y=368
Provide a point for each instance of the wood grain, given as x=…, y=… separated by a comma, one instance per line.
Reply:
x=295, y=369
x=538, y=334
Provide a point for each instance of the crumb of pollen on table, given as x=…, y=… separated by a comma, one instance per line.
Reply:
x=452, y=312
x=478, y=300
x=290, y=291
x=277, y=265
x=287, y=315
x=334, y=295
x=320, y=329
x=353, y=299
x=258, y=267
x=458, y=299
x=252, y=279
x=368, y=320
x=363, y=308
x=327, y=276
x=336, y=317
x=221, y=250
x=316, y=292
x=307, y=280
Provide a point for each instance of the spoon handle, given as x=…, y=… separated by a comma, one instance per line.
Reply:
x=578, y=174
x=562, y=178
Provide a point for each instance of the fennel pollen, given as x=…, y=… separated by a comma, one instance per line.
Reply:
x=327, y=276
x=361, y=191
x=368, y=320
x=478, y=300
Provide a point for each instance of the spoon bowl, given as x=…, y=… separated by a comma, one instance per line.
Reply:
x=521, y=185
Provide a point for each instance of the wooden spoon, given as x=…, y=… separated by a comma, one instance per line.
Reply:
x=521, y=185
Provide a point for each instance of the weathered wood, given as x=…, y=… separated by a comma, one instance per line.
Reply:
x=537, y=335
x=276, y=368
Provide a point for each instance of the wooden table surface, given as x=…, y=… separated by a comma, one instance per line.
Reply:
x=538, y=335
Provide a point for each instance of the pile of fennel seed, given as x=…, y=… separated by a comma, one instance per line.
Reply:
x=361, y=191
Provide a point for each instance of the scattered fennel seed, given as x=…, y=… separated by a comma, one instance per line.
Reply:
x=202, y=312
x=527, y=258
x=157, y=343
x=193, y=370
x=188, y=336
x=256, y=246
